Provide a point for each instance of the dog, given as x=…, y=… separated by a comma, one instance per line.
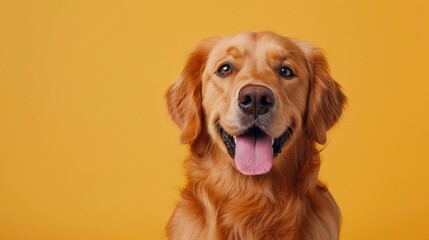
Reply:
x=254, y=109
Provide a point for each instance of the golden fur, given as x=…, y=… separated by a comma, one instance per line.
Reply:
x=219, y=202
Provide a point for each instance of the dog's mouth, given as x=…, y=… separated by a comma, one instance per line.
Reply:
x=254, y=151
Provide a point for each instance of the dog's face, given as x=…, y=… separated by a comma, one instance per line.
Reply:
x=254, y=93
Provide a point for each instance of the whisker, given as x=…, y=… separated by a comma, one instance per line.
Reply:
x=208, y=149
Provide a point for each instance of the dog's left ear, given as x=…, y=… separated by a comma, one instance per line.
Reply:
x=184, y=96
x=326, y=99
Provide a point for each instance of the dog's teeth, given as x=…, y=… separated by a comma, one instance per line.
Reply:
x=235, y=140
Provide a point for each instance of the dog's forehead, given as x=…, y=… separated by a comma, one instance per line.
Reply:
x=253, y=45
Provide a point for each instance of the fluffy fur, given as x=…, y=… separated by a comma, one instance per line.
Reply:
x=219, y=202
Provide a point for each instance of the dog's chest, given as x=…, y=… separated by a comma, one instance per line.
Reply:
x=260, y=221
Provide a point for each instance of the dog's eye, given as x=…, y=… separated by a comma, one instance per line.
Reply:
x=286, y=72
x=224, y=70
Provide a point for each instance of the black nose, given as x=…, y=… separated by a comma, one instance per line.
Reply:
x=255, y=100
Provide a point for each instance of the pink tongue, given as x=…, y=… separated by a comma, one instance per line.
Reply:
x=253, y=154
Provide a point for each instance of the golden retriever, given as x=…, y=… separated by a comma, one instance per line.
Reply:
x=253, y=107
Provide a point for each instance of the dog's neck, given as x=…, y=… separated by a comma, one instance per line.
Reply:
x=216, y=186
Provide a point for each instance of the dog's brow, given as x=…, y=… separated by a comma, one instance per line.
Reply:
x=286, y=55
x=278, y=57
x=234, y=51
x=282, y=55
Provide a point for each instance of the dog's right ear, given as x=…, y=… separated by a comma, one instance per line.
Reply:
x=184, y=96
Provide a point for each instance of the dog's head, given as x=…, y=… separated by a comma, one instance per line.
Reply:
x=254, y=93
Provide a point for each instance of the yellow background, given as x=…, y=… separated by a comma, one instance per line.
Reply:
x=87, y=150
